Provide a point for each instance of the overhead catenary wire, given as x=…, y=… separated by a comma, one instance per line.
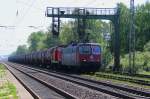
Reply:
x=26, y=12
x=19, y=14
x=29, y=26
x=27, y=4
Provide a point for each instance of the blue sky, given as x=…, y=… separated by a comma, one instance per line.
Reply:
x=24, y=13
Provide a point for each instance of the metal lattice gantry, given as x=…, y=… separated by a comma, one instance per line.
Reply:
x=132, y=37
x=88, y=13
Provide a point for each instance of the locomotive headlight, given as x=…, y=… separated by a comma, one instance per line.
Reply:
x=84, y=60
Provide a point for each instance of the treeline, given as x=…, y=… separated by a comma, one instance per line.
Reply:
x=95, y=30
x=142, y=26
x=142, y=35
x=43, y=40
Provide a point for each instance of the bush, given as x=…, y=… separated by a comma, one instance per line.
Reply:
x=142, y=62
x=147, y=46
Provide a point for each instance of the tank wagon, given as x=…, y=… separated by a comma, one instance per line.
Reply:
x=80, y=56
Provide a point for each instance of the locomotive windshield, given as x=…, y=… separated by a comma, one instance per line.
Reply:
x=95, y=50
x=85, y=50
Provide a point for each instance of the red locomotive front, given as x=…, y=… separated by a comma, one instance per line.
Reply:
x=89, y=54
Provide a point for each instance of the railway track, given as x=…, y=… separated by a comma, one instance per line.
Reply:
x=142, y=75
x=131, y=79
x=135, y=75
x=68, y=90
x=38, y=89
x=105, y=87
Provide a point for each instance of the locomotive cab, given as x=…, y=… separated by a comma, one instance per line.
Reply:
x=89, y=55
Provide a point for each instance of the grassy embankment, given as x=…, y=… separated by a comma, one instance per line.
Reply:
x=7, y=89
x=122, y=79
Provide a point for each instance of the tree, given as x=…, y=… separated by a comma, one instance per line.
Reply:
x=50, y=40
x=142, y=25
x=68, y=33
x=36, y=41
x=94, y=31
x=147, y=46
x=21, y=49
x=124, y=19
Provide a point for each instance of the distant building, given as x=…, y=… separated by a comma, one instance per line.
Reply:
x=107, y=36
x=3, y=57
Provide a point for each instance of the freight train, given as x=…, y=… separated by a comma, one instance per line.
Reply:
x=79, y=56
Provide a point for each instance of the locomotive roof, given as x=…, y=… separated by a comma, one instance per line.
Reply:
x=80, y=44
x=89, y=43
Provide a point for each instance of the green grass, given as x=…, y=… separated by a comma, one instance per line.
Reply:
x=8, y=91
x=2, y=70
x=144, y=73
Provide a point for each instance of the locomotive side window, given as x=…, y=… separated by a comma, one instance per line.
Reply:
x=85, y=50
x=96, y=49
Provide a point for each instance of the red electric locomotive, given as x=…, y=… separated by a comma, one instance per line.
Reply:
x=84, y=56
